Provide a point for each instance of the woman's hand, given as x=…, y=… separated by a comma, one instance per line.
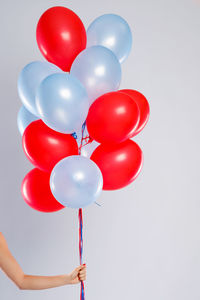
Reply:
x=78, y=275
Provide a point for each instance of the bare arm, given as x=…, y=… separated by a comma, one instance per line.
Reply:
x=29, y=282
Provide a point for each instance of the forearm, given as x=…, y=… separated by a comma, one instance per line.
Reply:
x=30, y=282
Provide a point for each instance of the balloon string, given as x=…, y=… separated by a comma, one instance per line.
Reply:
x=80, y=216
x=84, y=140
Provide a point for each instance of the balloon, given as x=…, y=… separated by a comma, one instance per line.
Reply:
x=112, y=117
x=44, y=147
x=36, y=192
x=61, y=36
x=24, y=118
x=76, y=181
x=99, y=71
x=120, y=164
x=143, y=107
x=30, y=78
x=62, y=102
x=113, y=32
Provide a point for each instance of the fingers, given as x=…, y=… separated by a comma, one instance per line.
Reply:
x=82, y=273
x=79, y=272
x=79, y=268
x=82, y=277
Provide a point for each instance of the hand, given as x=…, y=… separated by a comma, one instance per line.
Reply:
x=78, y=275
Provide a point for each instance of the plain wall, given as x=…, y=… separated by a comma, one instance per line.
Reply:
x=143, y=242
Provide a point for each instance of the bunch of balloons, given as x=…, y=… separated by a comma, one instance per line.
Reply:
x=76, y=125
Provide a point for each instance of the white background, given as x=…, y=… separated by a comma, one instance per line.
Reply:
x=144, y=242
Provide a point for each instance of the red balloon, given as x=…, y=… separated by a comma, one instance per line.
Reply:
x=45, y=147
x=61, y=36
x=120, y=164
x=112, y=117
x=36, y=192
x=143, y=107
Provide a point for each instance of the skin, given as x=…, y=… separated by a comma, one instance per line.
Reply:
x=30, y=282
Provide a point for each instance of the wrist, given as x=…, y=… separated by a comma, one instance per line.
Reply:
x=66, y=278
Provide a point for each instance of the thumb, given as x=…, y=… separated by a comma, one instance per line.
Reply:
x=74, y=273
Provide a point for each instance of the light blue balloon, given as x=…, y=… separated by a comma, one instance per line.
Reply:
x=98, y=69
x=62, y=102
x=113, y=32
x=30, y=78
x=24, y=118
x=76, y=181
